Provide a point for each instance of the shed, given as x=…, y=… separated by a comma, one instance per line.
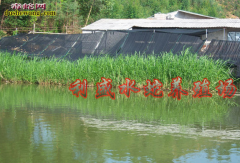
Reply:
x=180, y=21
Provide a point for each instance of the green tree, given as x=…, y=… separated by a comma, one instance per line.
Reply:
x=185, y=5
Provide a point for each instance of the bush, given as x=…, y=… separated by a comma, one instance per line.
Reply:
x=2, y=34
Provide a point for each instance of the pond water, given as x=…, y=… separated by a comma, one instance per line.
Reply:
x=49, y=124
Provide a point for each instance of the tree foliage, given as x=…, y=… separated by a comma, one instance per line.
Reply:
x=231, y=7
x=75, y=13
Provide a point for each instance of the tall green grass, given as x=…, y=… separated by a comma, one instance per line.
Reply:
x=189, y=66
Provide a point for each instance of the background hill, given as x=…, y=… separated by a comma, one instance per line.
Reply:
x=231, y=8
x=78, y=13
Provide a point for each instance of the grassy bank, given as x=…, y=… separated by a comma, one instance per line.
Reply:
x=16, y=68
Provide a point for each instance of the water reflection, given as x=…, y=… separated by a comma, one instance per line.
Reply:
x=177, y=130
x=49, y=124
x=215, y=156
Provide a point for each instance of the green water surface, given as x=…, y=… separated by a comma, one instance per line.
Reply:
x=49, y=124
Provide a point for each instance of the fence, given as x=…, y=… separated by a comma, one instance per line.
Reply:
x=77, y=46
x=225, y=50
x=113, y=43
x=69, y=30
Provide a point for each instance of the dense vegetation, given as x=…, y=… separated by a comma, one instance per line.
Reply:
x=77, y=13
x=230, y=7
x=139, y=68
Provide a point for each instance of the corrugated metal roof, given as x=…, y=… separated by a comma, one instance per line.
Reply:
x=183, y=11
x=193, y=13
x=126, y=24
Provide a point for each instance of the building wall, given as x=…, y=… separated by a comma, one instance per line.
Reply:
x=181, y=15
x=177, y=15
x=234, y=30
x=218, y=35
x=87, y=31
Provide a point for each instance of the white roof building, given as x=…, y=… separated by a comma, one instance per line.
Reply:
x=175, y=22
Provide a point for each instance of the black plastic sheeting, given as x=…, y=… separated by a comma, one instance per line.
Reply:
x=60, y=46
x=38, y=44
x=97, y=44
x=225, y=50
x=185, y=41
x=85, y=45
x=162, y=42
x=192, y=32
x=12, y=43
x=113, y=43
x=136, y=42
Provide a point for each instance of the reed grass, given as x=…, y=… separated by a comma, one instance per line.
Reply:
x=190, y=67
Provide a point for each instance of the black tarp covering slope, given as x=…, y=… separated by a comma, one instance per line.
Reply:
x=12, y=43
x=85, y=46
x=111, y=43
x=61, y=45
x=77, y=46
x=186, y=42
x=225, y=50
x=136, y=42
x=162, y=42
x=96, y=44
x=37, y=45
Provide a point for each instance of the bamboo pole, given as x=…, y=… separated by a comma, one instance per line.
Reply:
x=89, y=14
x=33, y=28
